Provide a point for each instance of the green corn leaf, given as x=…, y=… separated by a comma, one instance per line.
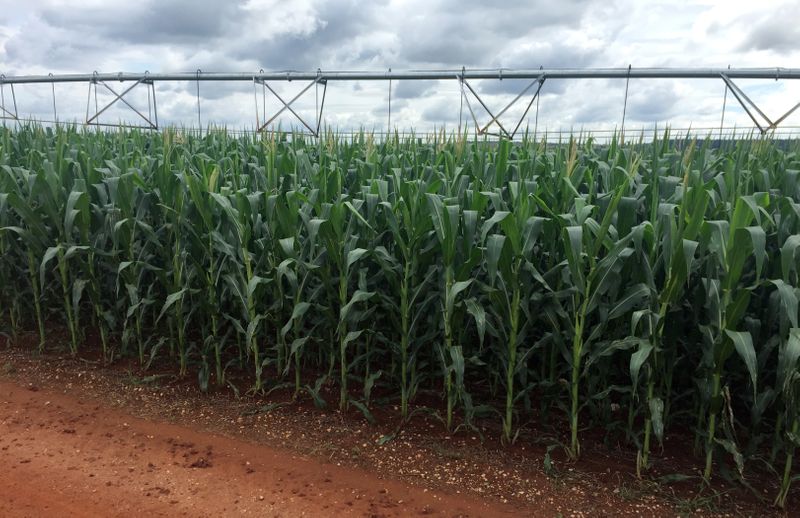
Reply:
x=354, y=255
x=49, y=254
x=78, y=286
x=358, y=296
x=657, y=416
x=743, y=343
x=494, y=249
x=172, y=298
x=364, y=410
x=638, y=359
x=789, y=255
x=297, y=344
x=574, y=252
x=452, y=295
x=253, y=284
x=635, y=296
x=479, y=314
x=351, y=336
x=788, y=357
x=788, y=299
x=496, y=218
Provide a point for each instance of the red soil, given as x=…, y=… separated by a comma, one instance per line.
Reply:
x=65, y=455
x=81, y=438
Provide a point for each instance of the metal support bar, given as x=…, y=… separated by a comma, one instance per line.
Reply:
x=288, y=105
x=463, y=75
x=553, y=73
x=722, y=117
x=724, y=105
x=263, y=99
x=322, y=105
x=735, y=92
x=525, y=113
x=55, y=112
x=625, y=106
x=460, y=106
x=255, y=100
x=482, y=131
x=118, y=97
x=742, y=98
x=782, y=117
x=539, y=80
x=149, y=103
x=746, y=98
x=129, y=105
x=155, y=107
x=495, y=119
x=5, y=113
x=199, y=124
x=389, y=121
x=469, y=104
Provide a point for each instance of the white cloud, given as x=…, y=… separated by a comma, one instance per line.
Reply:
x=60, y=36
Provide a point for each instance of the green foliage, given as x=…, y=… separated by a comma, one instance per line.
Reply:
x=660, y=278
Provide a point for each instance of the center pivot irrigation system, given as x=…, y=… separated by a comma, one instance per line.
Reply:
x=129, y=81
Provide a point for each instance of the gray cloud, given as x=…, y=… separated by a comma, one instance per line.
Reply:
x=778, y=31
x=544, y=55
x=413, y=89
x=382, y=110
x=444, y=111
x=39, y=36
x=149, y=22
x=478, y=33
x=325, y=43
x=648, y=103
x=653, y=103
x=601, y=102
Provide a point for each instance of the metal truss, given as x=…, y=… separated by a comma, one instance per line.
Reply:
x=314, y=130
x=495, y=119
x=495, y=126
x=745, y=101
x=150, y=121
x=5, y=112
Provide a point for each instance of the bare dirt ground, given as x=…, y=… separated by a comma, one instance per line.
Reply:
x=66, y=455
x=81, y=439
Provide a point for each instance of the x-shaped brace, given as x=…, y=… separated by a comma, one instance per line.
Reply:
x=314, y=130
x=744, y=101
x=151, y=122
x=495, y=119
x=5, y=113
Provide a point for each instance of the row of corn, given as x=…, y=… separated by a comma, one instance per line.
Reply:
x=636, y=289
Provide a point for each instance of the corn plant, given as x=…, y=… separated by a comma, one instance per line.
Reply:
x=408, y=226
x=338, y=235
x=451, y=234
x=729, y=244
x=658, y=277
x=511, y=274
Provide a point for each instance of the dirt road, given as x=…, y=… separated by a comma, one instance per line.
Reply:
x=63, y=455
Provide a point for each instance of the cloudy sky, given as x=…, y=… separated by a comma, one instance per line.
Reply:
x=68, y=36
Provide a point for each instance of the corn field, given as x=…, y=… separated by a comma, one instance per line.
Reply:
x=639, y=289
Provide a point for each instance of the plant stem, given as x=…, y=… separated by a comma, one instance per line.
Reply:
x=786, y=481
x=342, y=344
x=404, y=331
x=36, y=302
x=712, y=427
x=62, y=269
x=577, y=350
x=512, y=364
x=448, y=343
